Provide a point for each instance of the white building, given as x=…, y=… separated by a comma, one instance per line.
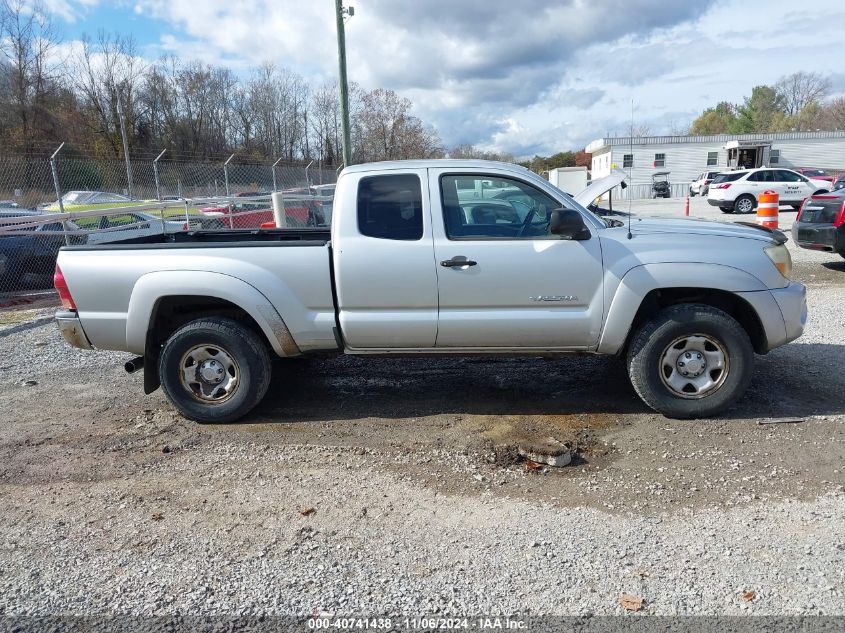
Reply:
x=685, y=157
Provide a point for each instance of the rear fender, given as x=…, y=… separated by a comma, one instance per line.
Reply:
x=153, y=287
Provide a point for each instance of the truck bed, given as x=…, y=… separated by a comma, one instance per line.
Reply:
x=297, y=237
x=288, y=271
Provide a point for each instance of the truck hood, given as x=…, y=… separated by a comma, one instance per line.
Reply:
x=705, y=227
x=599, y=187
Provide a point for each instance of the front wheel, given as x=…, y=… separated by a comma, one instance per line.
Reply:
x=214, y=370
x=690, y=361
x=691, y=193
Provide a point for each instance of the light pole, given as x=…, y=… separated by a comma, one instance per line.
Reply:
x=344, y=88
x=122, y=117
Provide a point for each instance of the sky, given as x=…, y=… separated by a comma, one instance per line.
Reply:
x=522, y=76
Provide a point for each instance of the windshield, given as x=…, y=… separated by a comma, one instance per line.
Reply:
x=75, y=196
x=813, y=173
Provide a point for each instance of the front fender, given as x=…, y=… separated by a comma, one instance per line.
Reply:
x=641, y=280
x=152, y=287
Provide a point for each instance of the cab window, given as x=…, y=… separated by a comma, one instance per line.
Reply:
x=504, y=208
x=390, y=207
x=761, y=176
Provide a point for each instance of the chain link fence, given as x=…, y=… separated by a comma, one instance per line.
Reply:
x=46, y=204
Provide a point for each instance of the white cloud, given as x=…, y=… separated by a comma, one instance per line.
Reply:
x=70, y=10
x=528, y=76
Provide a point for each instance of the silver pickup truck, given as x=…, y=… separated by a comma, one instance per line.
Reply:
x=439, y=257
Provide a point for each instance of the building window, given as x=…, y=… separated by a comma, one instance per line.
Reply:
x=627, y=160
x=660, y=160
x=712, y=159
x=774, y=157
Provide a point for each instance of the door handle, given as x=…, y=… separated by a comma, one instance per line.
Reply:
x=458, y=262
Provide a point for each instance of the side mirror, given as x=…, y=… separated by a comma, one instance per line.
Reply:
x=569, y=224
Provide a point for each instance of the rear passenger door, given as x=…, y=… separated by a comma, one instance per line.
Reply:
x=384, y=261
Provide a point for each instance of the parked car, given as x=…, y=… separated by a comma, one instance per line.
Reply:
x=405, y=269
x=820, y=225
x=737, y=191
x=9, y=204
x=249, y=214
x=816, y=174
x=116, y=228
x=87, y=201
x=30, y=251
x=326, y=193
x=701, y=184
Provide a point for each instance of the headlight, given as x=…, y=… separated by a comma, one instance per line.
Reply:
x=781, y=258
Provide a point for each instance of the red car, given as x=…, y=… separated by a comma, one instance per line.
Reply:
x=298, y=213
x=816, y=174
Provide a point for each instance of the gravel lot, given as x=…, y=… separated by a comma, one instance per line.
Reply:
x=366, y=486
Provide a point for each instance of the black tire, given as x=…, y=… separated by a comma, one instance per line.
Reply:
x=251, y=369
x=745, y=196
x=691, y=193
x=654, y=338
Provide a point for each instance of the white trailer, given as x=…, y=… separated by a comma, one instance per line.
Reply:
x=569, y=179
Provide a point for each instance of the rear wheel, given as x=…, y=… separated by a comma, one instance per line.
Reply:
x=745, y=203
x=214, y=370
x=690, y=361
x=691, y=193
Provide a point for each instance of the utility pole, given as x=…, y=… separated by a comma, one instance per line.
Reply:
x=125, y=145
x=344, y=88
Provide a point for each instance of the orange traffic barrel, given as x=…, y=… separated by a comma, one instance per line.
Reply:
x=767, y=209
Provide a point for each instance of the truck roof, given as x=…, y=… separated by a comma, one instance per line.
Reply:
x=459, y=163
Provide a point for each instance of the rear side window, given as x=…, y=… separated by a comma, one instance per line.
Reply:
x=390, y=207
x=729, y=177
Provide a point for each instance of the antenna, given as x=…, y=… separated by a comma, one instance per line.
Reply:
x=631, y=169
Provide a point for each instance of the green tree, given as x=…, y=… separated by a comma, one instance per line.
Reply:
x=759, y=112
x=718, y=120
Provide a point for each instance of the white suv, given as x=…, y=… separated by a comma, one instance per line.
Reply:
x=738, y=191
x=698, y=187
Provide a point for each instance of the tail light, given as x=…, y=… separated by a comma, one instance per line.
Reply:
x=268, y=225
x=64, y=292
x=801, y=209
x=840, y=217
x=724, y=185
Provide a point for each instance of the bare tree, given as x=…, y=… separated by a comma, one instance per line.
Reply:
x=800, y=89
x=832, y=116
x=27, y=39
x=388, y=130
x=107, y=71
x=467, y=150
x=639, y=129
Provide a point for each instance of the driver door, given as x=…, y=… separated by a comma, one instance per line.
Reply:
x=521, y=287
